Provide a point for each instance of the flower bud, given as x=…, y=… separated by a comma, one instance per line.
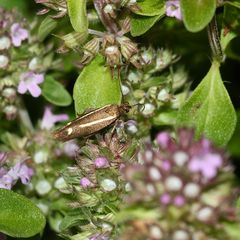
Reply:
x=3, y=61
x=91, y=48
x=110, y=9
x=10, y=112
x=5, y=43
x=156, y=232
x=43, y=187
x=113, y=55
x=101, y=162
x=9, y=93
x=108, y=185
x=180, y=235
x=85, y=182
x=128, y=48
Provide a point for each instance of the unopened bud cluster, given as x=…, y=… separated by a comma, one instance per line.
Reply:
x=59, y=7
x=175, y=178
x=117, y=49
x=96, y=180
x=157, y=88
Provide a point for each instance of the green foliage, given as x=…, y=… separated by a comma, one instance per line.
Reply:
x=95, y=87
x=150, y=13
x=77, y=10
x=209, y=109
x=19, y=217
x=55, y=92
x=150, y=7
x=46, y=27
x=141, y=24
x=197, y=14
x=233, y=145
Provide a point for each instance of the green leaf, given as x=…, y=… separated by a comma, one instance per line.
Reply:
x=46, y=27
x=232, y=229
x=19, y=217
x=233, y=3
x=233, y=145
x=77, y=10
x=95, y=87
x=55, y=92
x=151, y=7
x=141, y=24
x=209, y=109
x=197, y=14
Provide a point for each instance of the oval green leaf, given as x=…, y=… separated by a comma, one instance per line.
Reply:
x=210, y=109
x=150, y=7
x=77, y=10
x=19, y=217
x=141, y=24
x=55, y=93
x=95, y=87
x=197, y=14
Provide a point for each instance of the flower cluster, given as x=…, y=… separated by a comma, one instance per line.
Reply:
x=97, y=182
x=176, y=178
x=59, y=6
x=160, y=84
x=117, y=49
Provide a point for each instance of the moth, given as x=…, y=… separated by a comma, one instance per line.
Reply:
x=91, y=122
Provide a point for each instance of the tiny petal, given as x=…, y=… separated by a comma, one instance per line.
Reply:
x=34, y=89
x=154, y=173
x=22, y=87
x=101, y=162
x=49, y=119
x=205, y=214
x=38, y=78
x=173, y=9
x=85, y=182
x=214, y=159
x=165, y=199
x=5, y=43
x=163, y=139
x=195, y=165
x=43, y=187
x=179, y=201
x=173, y=183
x=181, y=235
x=70, y=148
x=3, y=61
x=108, y=185
x=191, y=190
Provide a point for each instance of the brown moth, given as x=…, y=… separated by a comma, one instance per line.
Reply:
x=91, y=122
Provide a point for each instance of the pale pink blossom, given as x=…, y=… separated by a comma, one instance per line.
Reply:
x=29, y=81
x=49, y=119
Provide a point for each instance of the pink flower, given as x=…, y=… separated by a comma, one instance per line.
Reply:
x=19, y=171
x=173, y=9
x=18, y=34
x=207, y=164
x=101, y=162
x=49, y=119
x=85, y=182
x=29, y=82
x=70, y=148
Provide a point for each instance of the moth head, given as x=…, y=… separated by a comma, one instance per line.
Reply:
x=124, y=108
x=63, y=134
